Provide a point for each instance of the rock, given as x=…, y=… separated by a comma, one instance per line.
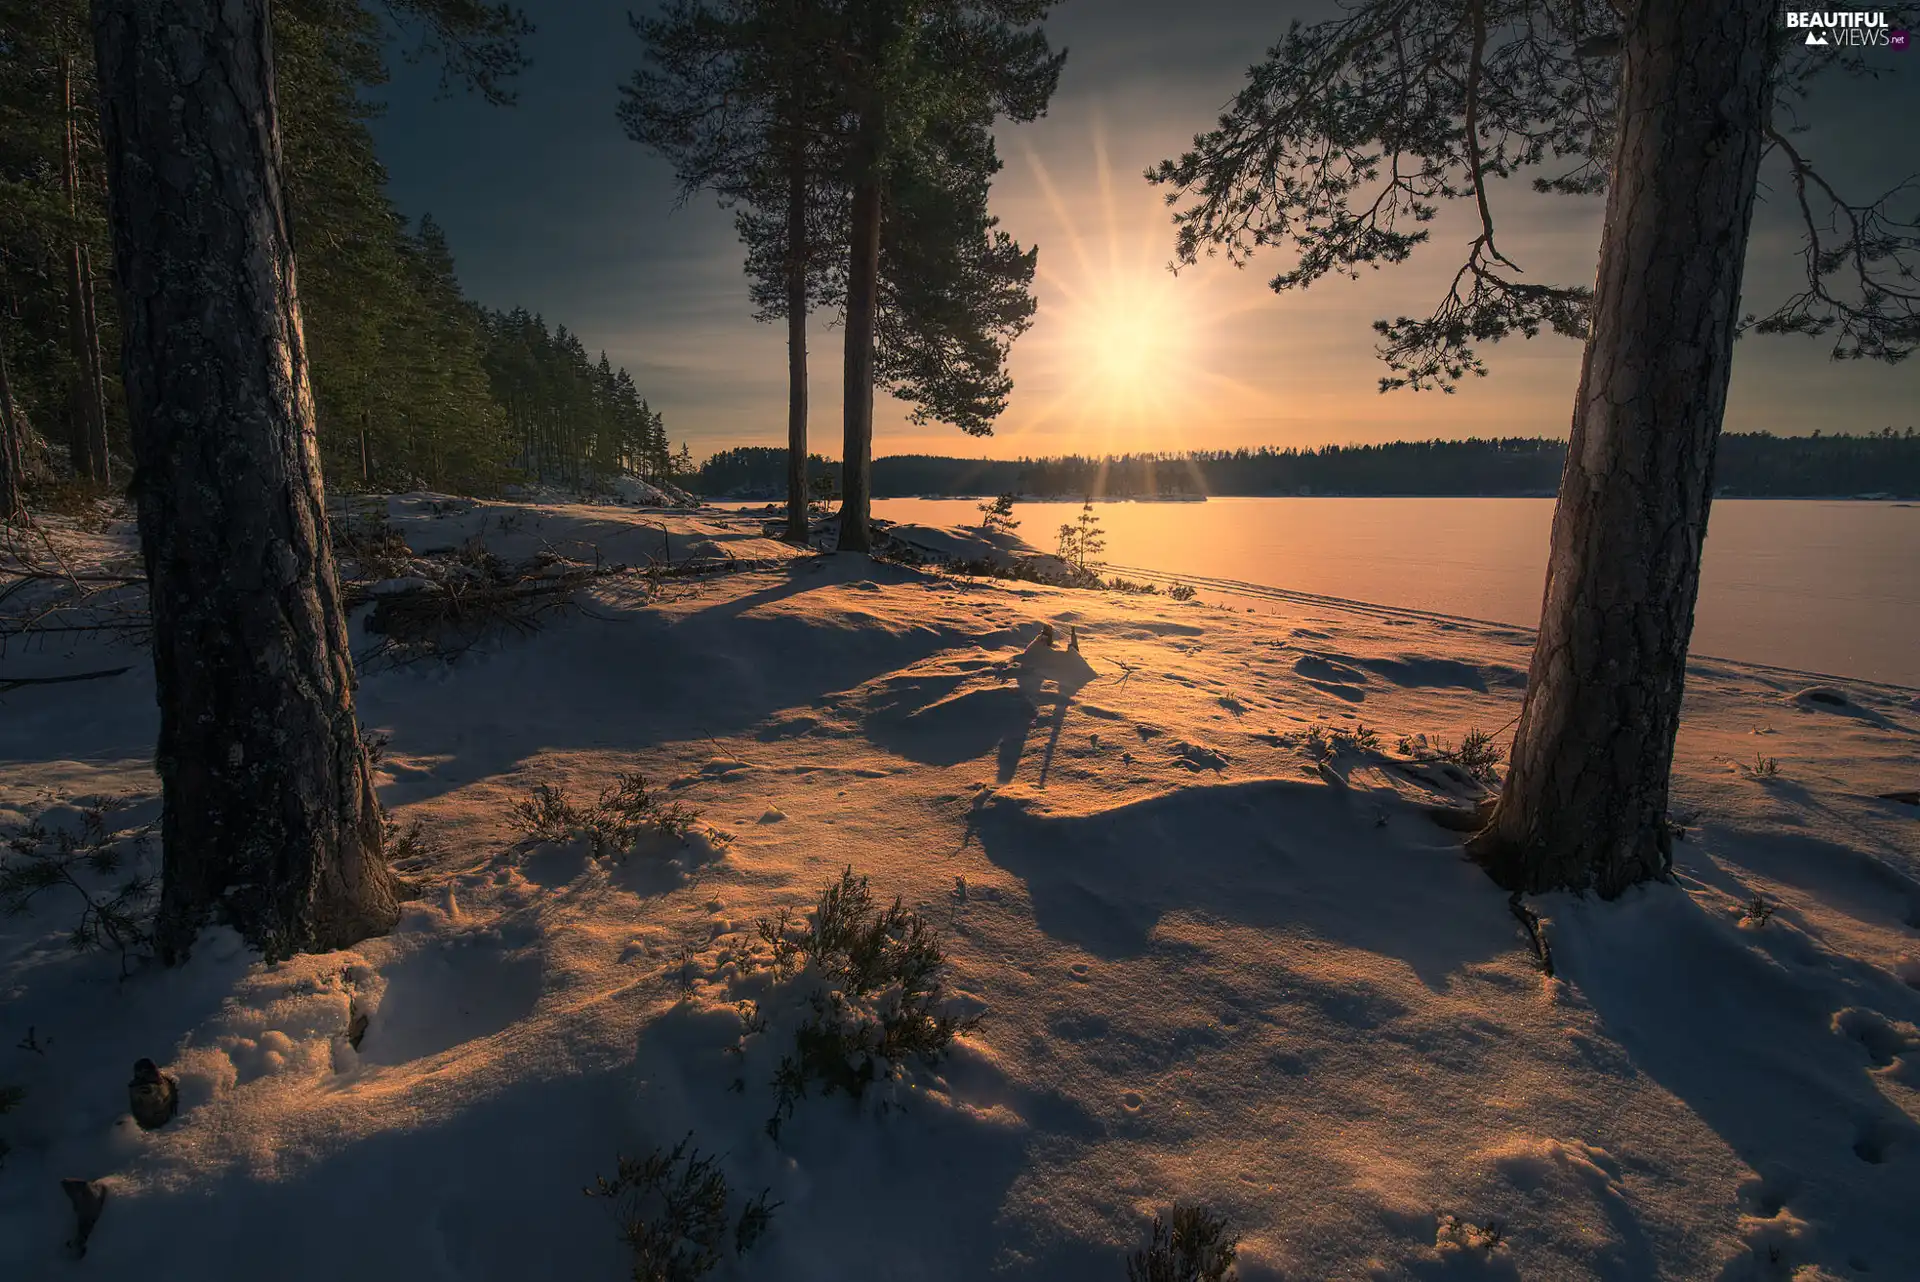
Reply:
x=152, y=1096
x=357, y=1028
x=89, y=1198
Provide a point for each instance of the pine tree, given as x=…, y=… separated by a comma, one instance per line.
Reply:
x=733, y=97
x=268, y=813
x=1343, y=143
x=921, y=81
x=13, y=461
x=996, y=516
x=1081, y=540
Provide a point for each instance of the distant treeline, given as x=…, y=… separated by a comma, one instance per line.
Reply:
x=1758, y=465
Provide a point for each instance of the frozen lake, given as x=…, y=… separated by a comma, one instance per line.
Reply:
x=1829, y=587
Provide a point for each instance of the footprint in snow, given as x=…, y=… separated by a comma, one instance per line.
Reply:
x=1873, y=1141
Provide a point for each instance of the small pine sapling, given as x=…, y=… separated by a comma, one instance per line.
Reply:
x=624, y=813
x=673, y=1212
x=996, y=515
x=38, y=859
x=1081, y=540
x=878, y=1003
x=1196, y=1247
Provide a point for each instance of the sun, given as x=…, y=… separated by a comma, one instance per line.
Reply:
x=1132, y=337
x=1121, y=354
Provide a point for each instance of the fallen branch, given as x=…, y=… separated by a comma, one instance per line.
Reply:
x=14, y=683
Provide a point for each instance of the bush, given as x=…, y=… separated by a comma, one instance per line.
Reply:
x=624, y=813
x=38, y=859
x=996, y=515
x=1477, y=754
x=673, y=1211
x=1181, y=592
x=876, y=1001
x=1196, y=1248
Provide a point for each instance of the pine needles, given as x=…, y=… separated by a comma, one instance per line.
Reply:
x=625, y=813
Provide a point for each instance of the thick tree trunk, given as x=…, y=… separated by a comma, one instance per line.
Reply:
x=269, y=811
x=797, y=257
x=13, y=450
x=1585, y=802
x=863, y=279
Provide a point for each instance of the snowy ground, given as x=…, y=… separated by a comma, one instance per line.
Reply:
x=1211, y=967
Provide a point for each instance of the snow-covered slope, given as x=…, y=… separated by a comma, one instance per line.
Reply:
x=1213, y=963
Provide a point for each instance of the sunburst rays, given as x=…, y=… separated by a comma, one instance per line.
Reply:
x=1120, y=359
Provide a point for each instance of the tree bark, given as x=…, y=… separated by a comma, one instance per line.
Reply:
x=13, y=460
x=269, y=813
x=87, y=427
x=1585, y=801
x=863, y=278
x=94, y=391
x=797, y=258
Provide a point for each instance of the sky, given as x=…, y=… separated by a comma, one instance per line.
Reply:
x=547, y=205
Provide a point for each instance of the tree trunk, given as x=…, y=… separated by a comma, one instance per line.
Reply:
x=1585, y=802
x=13, y=449
x=863, y=278
x=269, y=813
x=797, y=257
x=87, y=428
x=95, y=388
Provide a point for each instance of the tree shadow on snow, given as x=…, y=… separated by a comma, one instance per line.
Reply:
x=641, y=681
x=1267, y=854
x=945, y=718
x=1778, y=1046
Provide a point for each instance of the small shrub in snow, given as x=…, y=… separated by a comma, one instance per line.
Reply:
x=1763, y=767
x=1181, y=592
x=1478, y=755
x=1362, y=738
x=1196, y=1247
x=878, y=989
x=1081, y=540
x=996, y=515
x=38, y=859
x=1130, y=588
x=673, y=1211
x=1758, y=912
x=624, y=813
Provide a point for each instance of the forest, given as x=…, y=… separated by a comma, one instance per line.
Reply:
x=414, y=383
x=1749, y=465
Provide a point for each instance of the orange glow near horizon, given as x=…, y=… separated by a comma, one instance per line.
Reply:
x=1117, y=361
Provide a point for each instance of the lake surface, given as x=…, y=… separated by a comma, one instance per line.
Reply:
x=1831, y=587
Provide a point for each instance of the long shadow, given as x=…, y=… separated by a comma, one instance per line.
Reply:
x=929, y=718
x=1269, y=854
x=1775, y=1047
x=635, y=683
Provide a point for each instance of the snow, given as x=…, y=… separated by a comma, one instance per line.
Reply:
x=1210, y=965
